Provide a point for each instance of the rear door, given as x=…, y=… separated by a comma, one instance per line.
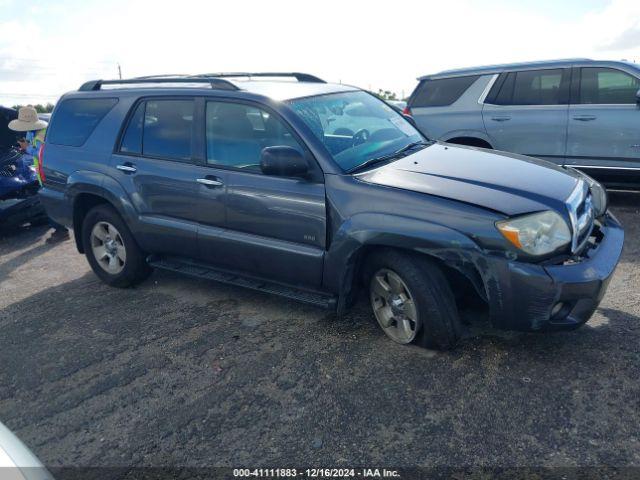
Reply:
x=447, y=107
x=604, y=124
x=526, y=112
x=157, y=164
x=276, y=226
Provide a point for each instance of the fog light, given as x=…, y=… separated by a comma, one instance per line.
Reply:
x=556, y=308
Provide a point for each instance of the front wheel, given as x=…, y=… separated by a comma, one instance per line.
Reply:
x=412, y=301
x=111, y=249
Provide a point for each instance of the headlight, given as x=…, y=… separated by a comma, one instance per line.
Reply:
x=536, y=234
x=599, y=199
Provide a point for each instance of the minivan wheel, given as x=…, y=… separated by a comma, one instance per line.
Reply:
x=412, y=301
x=111, y=250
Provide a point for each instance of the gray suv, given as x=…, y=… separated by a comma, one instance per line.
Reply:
x=316, y=192
x=579, y=112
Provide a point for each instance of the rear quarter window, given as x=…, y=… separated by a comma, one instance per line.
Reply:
x=441, y=92
x=76, y=118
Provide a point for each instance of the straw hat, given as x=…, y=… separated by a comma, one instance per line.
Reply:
x=27, y=120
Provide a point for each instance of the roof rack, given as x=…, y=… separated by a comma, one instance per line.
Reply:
x=301, y=77
x=216, y=83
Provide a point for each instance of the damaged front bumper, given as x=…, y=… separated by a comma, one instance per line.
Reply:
x=526, y=297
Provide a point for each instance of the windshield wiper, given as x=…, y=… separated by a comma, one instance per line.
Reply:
x=397, y=154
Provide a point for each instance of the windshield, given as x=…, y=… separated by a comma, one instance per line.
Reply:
x=356, y=127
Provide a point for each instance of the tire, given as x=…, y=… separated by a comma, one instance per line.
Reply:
x=426, y=296
x=129, y=267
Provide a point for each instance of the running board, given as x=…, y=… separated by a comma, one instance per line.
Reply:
x=208, y=272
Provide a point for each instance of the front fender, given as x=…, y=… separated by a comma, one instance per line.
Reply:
x=366, y=230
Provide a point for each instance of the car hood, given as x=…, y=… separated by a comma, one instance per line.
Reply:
x=507, y=183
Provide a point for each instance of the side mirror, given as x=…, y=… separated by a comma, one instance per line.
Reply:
x=283, y=161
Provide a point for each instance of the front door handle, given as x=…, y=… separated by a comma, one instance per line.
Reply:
x=584, y=118
x=210, y=181
x=127, y=168
x=500, y=119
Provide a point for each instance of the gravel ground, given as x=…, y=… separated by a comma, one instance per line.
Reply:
x=184, y=372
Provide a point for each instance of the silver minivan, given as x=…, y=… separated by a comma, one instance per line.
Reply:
x=579, y=112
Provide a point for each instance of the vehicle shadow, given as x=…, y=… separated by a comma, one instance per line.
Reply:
x=73, y=351
x=27, y=240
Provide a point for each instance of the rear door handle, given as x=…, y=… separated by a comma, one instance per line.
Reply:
x=210, y=181
x=500, y=119
x=584, y=118
x=127, y=168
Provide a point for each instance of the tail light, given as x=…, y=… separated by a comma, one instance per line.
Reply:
x=406, y=111
x=40, y=160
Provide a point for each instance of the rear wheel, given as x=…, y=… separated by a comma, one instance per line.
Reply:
x=111, y=250
x=412, y=301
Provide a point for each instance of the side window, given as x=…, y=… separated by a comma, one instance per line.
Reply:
x=441, y=92
x=607, y=86
x=76, y=118
x=167, y=129
x=530, y=87
x=237, y=133
x=505, y=93
x=537, y=87
x=132, y=138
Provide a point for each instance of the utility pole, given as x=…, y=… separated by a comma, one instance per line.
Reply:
x=119, y=72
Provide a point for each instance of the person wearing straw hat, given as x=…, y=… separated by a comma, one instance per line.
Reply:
x=35, y=129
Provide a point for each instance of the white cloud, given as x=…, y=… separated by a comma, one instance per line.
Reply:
x=375, y=44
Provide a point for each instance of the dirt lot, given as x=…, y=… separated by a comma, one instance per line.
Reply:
x=184, y=372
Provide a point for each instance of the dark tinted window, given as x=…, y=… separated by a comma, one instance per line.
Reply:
x=440, y=92
x=76, y=118
x=607, y=86
x=237, y=133
x=167, y=131
x=132, y=138
x=531, y=87
x=537, y=87
x=505, y=91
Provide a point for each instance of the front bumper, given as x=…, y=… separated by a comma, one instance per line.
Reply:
x=529, y=297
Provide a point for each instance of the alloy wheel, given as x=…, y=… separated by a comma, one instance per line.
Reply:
x=108, y=247
x=394, y=306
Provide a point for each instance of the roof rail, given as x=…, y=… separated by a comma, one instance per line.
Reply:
x=216, y=83
x=301, y=77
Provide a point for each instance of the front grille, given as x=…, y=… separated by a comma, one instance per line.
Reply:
x=581, y=214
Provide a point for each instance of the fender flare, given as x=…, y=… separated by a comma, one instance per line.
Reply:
x=366, y=230
x=100, y=185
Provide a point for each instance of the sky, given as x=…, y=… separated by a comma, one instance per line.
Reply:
x=50, y=47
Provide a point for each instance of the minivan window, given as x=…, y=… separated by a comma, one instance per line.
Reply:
x=607, y=86
x=441, y=92
x=236, y=134
x=76, y=118
x=167, y=130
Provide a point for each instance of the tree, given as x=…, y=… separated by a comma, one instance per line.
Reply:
x=386, y=94
x=48, y=108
